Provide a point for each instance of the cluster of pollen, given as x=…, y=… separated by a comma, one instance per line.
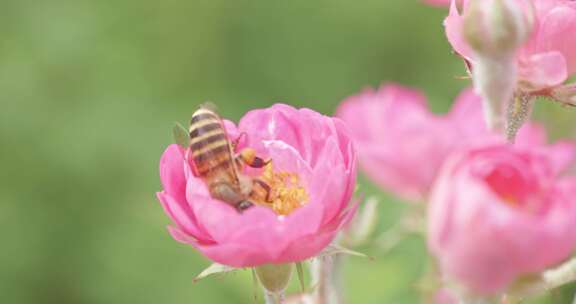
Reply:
x=286, y=192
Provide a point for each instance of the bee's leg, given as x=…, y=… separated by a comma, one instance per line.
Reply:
x=225, y=192
x=236, y=141
x=266, y=188
x=248, y=157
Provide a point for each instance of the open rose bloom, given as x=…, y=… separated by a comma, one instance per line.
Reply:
x=499, y=212
x=401, y=143
x=313, y=150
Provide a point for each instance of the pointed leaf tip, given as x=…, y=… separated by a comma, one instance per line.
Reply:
x=213, y=269
x=337, y=249
x=181, y=136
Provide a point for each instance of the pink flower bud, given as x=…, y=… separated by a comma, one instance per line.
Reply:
x=502, y=211
x=310, y=149
x=496, y=28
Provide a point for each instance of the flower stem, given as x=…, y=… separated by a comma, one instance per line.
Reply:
x=327, y=276
x=273, y=298
x=494, y=80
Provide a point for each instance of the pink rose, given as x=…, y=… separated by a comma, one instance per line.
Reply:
x=502, y=211
x=313, y=149
x=401, y=144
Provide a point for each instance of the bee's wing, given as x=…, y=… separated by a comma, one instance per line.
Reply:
x=208, y=105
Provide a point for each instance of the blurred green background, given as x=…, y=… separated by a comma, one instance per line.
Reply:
x=89, y=91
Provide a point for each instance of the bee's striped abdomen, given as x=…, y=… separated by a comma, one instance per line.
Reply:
x=209, y=144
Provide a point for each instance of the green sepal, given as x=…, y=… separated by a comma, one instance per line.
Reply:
x=255, y=285
x=212, y=270
x=300, y=271
x=337, y=249
x=181, y=136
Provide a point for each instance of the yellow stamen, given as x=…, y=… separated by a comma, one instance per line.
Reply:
x=286, y=192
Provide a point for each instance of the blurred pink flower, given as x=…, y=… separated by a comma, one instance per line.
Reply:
x=547, y=58
x=502, y=211
x=315, y=147
x=401, y=144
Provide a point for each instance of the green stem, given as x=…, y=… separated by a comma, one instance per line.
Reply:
x=550, y=279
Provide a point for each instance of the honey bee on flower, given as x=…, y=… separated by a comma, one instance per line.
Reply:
x=300, y=195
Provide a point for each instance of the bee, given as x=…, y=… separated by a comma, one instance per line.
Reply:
x=214, y=161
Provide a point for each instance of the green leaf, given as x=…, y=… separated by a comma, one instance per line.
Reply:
x=300, y=271
x=213, y=269
x=181, y=136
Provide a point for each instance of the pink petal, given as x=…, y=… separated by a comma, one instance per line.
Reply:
x=330, y=185
x=531, y=135
x=235, y=255
x=196, y=186
x=349, y=153
x=309, y=245
x=276, y=123
x=467, y=114
x=309, y=144
x=182, y=216
x=224, y=223
x=181, y=236
x=556, y=32
x=367, y=113
x=345, y=142
x=562, y=155
x=172, y=172
x=543, y=70
x=454, y=24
